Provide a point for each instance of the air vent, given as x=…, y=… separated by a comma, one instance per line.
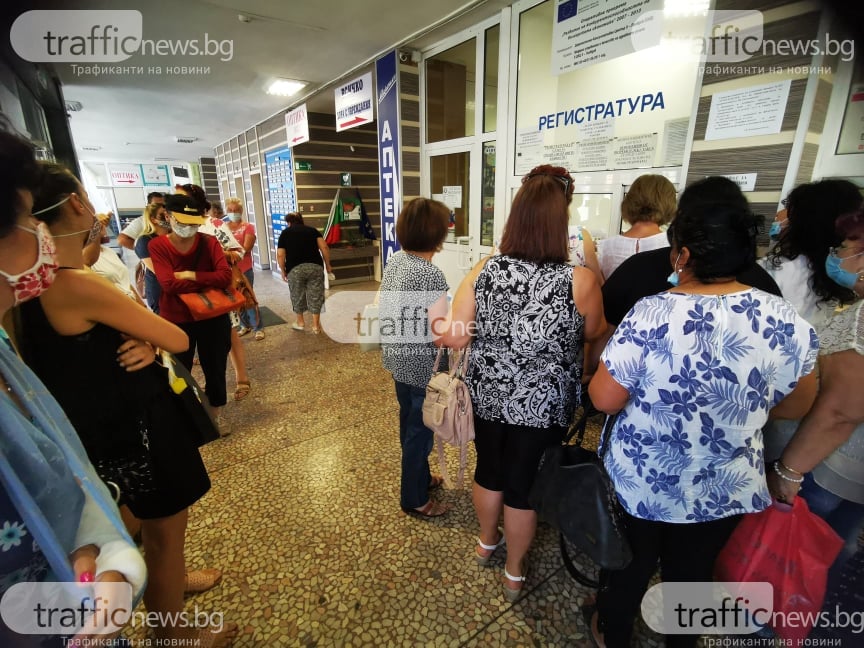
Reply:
x=185, y=140
x=74, y=106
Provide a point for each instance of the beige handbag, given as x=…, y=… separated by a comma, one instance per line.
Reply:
x=447, y=410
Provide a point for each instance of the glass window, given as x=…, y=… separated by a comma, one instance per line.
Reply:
x=450, y=186
x=852, y=132
x=593, y=211
x=450, y=90
x=490, y=80
x=487, y=215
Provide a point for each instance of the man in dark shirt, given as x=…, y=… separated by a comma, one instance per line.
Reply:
x=645, y=274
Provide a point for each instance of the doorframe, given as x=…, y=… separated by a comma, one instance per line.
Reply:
x=264, y=256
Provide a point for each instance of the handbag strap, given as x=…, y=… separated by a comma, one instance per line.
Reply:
x=437, y=359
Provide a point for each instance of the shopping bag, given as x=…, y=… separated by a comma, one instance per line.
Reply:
x=791, y=548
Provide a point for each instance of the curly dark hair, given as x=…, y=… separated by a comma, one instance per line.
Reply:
x=813, y=210
x=715, y=223
x=18, y=169
x=197, y=193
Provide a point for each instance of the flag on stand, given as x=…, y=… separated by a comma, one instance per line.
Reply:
x=333, y=231
x=347, y=209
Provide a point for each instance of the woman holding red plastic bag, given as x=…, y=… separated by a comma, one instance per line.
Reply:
x=825, y=458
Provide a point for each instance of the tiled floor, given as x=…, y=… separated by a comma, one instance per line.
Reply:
x=304, y=518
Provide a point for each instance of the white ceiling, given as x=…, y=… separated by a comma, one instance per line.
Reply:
x=132, y=117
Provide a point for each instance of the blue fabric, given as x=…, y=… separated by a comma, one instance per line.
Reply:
x=702, y=372
x=416, y=440
x=41, y=459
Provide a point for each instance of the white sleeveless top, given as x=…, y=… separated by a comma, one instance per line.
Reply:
x=614, y=251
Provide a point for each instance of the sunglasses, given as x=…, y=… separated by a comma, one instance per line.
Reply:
x=565, y=182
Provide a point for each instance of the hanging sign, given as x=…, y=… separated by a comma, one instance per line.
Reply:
x=297, y=126
x=125, y=175
x=387, y=87
x=354, y=103
x=155, y=174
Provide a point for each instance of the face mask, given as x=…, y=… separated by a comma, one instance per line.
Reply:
x=93, y=234
x=35, y=281
x=235, y=216
x=776, y=228
x=837, y=274
x=184, y=231
x=673, y=277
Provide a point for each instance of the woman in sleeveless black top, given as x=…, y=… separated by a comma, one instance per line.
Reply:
x=125, y=417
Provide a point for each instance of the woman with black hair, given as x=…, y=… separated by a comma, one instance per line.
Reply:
x=797, y=260
x=692, y=374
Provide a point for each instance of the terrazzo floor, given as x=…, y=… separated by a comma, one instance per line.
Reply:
x=304, y=519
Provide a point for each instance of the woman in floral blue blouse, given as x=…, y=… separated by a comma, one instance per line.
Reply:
x=694, y=373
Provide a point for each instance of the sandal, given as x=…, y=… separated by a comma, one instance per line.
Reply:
x=243, y=389
x=259, y=335
x=207, y=638
x=431, y=509
x=201, y=580
x=436, y=481
x=483, y=553
x=244, y=330
x=316, y=330
x=510, y=593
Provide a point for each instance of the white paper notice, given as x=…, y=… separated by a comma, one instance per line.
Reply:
x=594, y=155
x=453, y=197
x=852, y=132
x=745, y=181
x=529, y=151
x=749, y=112
x=585, y=32
x=634, y=152
x=674, y=141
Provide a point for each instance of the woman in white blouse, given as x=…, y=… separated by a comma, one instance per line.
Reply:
x=650, y=203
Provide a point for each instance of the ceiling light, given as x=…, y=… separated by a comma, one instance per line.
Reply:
x=188, y=139
x=285, y=87
x=74, y=106
x=91, y=148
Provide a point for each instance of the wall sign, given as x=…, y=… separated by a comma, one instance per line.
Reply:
x=354, y=103
x=387, y=93
x=125, y=175
x=745, y=181
x=155, y=174
x=297, y=126
x=344, y=179
x=280, y=182
x=757, y=110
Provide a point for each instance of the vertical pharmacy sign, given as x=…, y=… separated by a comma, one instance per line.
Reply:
x=387, y=86
x=297, y=126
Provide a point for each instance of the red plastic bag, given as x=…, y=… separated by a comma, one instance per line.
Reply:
x=791, y=548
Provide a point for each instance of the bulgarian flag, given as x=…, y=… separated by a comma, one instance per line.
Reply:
x=343, y=210
x=333, y=231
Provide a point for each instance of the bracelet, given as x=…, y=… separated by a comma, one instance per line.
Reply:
x=788, y=469
x=782, y=476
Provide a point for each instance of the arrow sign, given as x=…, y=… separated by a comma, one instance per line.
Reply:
x=353, y=102
x=297, y=126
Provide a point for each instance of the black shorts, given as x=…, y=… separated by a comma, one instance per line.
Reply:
x=508, y=456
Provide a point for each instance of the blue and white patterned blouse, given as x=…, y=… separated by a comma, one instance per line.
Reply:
x=702, y=372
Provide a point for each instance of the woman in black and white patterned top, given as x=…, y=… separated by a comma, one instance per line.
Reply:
x=529, y=314
x=413, y=294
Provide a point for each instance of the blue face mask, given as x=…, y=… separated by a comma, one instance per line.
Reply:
x=837, y=274
x=673, y=277
x=776, y=228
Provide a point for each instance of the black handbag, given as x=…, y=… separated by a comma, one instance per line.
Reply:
x=203, y=429
x=573, y=493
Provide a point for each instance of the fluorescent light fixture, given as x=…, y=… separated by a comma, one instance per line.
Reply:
x=285, y=87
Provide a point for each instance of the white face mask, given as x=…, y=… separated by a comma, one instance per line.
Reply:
x=183, y=231
x=235, y=216
x=93, y=234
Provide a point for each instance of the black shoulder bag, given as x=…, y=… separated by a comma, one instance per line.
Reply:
x=573, y=493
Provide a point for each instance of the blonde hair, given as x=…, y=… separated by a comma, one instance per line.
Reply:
x=651, y=198
x=150, y=212
x=234, y=200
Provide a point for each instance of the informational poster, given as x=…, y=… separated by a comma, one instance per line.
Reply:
x=155, y=174
x=126, y=175
x=674, y=141
x=297, y=126
x=635, y=152
x=281, y=185
x=354, y=103
x=563, y=155
x=748, y=112
x=387, y=96
x=529, y=151
x=452, y=196
x=852, y=132
x=586, y=32
x=594, y=155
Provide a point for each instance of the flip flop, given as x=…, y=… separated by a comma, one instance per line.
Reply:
x=431, y=509
x=243, y=389
x=201, y=580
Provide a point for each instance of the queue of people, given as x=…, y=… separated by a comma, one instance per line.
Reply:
x=690, y=344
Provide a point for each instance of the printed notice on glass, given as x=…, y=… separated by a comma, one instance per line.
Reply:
x=593, y=155
x=749, y=112
x=529, y=151
x=563, y=155
x=453, y=196
x=674, y=141
x=852, y=131
x=594, y=129
x=634, y=152
x=585, y=32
